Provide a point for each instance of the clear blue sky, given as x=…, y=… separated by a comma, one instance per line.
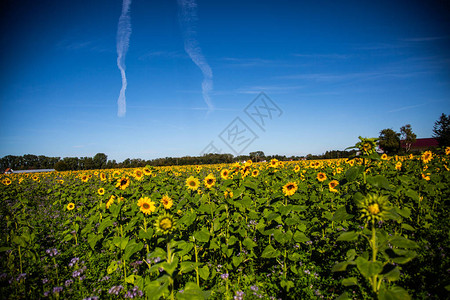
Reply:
x=335, y=69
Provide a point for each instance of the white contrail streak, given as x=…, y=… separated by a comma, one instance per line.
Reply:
x=187, y=18
x=123, y=39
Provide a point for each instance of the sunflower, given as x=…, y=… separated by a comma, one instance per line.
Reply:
x=167, y=202
x=123, y=183
x=146, y=205
x=273, y=163
x=147, y=171
x=228, y=193
x=116, y=174
x=332, y=186
x=6, y=181
x=210, y=181
x=427, y=156
x=374, y=207
x=398, y=165
x=255, y=173
x=101, y=191
x=110, y=201
x=192, y=183
x=84, y=178
x=384, y=156
x=70, y=206
x=102, y=176
x=224, y=174
x=165, y=224
x=297, y=168
x=426, y=177
x=321, y=176
x=138, y=174
x=290, y=188
x=447, y=150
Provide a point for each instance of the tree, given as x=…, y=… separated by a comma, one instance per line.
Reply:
x=408, y=136
x=100, y=160
x=257, y=156
x=389, y=141
x=441, y=130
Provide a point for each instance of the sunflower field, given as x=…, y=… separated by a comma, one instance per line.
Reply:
x=370, y=227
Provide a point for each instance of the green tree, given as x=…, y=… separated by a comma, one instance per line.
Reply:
x=100, y=160
x=441, y=130
x=408, y=136
x=389, y=141
x=257, y=156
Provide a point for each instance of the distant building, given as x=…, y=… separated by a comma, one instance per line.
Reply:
x=9, y=171
x=421, y=144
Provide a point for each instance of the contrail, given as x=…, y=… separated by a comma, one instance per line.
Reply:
x=187, y=18
x=123, y=39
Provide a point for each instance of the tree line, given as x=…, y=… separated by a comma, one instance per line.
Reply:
x=392, y=142
x=389, y=140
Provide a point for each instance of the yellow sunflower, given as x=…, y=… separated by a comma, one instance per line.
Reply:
x=398, y=165
x=427, y=156
x=273, y=163
x=447, y=150
x=167, y=202
x=101, y=191
x=123, y=183
x=224, y=174
x=384, y=156
x=321, y=176
x=297, y=168
x=255, y=173
x=110, y=201
x=146, y=205
x=228, y=193
x=290, y=188
x=192, y=183
x=332, y=186
x=84, y=178
x=138, y=174
x=102, y=176
x=147, y=171
x=70, y=206
x=210, y=180
x=6, y=181
x=374, y=207
x=426, y=177
x=165, y=224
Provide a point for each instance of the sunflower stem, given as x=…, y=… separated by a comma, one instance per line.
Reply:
x=196, y=266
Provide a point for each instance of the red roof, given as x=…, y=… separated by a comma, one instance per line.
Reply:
x=422, y=143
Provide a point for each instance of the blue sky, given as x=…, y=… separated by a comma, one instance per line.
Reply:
x=335, y=70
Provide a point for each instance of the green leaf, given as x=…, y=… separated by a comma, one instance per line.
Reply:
x=392, y=275
x=341, y=215
x=348, y=236
x=340, y=267
x=104, y=224
x=353, y=173
x=202, y=235
x=249, y=243
x=402, y=242
x=413, y=195
x=379, y=181
x=270, y=252
x=191, y=291
x=300, y=237
x=204, y=272
x=112, y=267
x=349, y=281
x=393, y=293
x=407, y=227
x=131, y=248
x=343, y=296
x=170, y=267
x=368, y=268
